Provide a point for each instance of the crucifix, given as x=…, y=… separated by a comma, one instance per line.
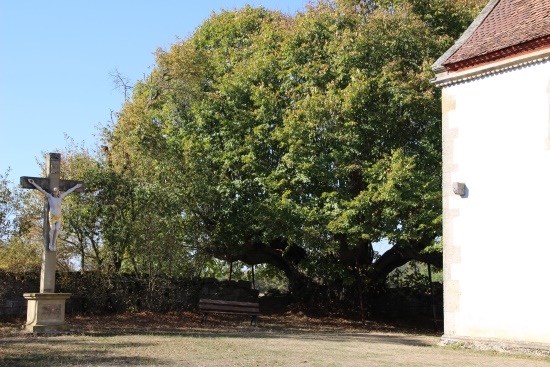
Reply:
x=51, y=186
x=46, y=310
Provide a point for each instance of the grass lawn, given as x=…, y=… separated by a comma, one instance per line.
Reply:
x=178, y=339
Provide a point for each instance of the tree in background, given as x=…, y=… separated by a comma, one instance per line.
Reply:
x=21, y=236
x=294, y=142
x=300, y=141
x=7, y=208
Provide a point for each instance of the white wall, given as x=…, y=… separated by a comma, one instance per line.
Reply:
x=497, y=141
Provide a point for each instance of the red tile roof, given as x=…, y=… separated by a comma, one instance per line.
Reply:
x=502, y=26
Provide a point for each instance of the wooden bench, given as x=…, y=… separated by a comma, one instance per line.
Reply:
x=207, y=306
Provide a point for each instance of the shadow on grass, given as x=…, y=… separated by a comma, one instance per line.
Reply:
x=49, y=352
x=106, y=348
x=187, y=325
x=266, y=333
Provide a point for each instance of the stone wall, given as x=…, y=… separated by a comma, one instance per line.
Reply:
x=97, y=293
x=12, y=287
x=94, y=293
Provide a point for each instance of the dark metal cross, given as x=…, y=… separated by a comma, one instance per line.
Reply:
x=48, y=183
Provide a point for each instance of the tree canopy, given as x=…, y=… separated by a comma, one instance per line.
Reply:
x=294, y=141
x=299, y=141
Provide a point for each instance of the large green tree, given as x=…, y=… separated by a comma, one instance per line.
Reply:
x=296, y=141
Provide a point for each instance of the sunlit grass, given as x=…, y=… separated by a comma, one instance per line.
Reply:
x=180, y=340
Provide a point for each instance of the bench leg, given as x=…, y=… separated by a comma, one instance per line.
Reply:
x=254, y=321
x=204, y=317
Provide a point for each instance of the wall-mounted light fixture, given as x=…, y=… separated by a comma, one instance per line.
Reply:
x=459, y=188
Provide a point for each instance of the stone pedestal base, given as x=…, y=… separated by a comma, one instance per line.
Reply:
x=46, y=313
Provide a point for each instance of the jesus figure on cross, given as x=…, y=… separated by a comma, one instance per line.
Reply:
x=54, y=201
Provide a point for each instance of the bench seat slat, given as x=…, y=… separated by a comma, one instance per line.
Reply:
x=235, y=313
x=229, y=308
x=221, y=302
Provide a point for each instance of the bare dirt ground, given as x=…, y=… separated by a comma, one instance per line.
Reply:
x=178, y=339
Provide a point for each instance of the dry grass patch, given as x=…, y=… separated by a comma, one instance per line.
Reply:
x=178, y=339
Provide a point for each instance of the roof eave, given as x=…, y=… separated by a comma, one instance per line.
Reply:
x=447, y=79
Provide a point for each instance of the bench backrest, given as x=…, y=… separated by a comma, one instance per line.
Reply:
x=214, y=305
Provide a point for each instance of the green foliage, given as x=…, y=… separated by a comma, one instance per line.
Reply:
x=289, y=142
x=20, y=256
x=7, y=208
x=414, y=276
x=123, y=221
x=298, y=141
x=269, y=279
x=20, y=228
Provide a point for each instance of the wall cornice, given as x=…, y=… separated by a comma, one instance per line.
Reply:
x=445, y=78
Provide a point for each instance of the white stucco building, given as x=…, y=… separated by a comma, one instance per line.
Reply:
x=496, y=177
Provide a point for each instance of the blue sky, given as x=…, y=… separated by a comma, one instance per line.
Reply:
x=57, y=57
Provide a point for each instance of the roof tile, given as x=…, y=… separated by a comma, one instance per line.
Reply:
x=510, y=23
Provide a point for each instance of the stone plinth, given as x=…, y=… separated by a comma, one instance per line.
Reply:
x=46, y=313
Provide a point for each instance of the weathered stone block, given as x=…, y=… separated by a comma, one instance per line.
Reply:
x=46, y=312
